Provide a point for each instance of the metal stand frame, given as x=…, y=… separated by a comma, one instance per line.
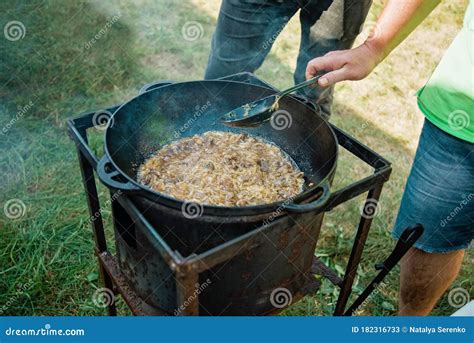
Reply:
x=187, y=269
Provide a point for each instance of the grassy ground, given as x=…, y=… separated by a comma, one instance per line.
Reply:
x=47, y=266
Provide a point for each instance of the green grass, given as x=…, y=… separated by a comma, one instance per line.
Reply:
x=50, y=248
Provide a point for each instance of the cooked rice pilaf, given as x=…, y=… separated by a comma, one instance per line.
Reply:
x=220, y=168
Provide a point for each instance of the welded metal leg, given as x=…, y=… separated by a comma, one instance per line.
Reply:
x=357, y=249
x=405, y=243
x=96, y=220
x=187, y=284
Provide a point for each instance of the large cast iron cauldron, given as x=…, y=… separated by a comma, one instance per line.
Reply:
x=157, y=117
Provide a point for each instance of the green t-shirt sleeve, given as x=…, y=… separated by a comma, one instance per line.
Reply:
x=447, y=100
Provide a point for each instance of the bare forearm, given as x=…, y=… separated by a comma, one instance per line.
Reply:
x=398, y=19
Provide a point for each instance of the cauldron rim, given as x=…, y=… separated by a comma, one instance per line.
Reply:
x=216, y=210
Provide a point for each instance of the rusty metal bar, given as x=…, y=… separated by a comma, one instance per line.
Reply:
x=319, y=268
x=226, y=251
x=133, y=301
x=361, y=151
x=95, y=217
x=187, y=283
x=170, y=256
x=358, y=188
x=356, y=253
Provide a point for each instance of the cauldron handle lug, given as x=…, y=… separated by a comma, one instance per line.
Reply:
x=314, y=205
x=314, y=106
x=108, y=178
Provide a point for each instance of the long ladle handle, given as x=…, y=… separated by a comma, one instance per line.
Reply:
x=300, y=85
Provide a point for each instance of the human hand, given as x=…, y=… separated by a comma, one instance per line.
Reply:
x=353, y=64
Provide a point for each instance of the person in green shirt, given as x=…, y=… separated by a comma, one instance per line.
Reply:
x=439, y=192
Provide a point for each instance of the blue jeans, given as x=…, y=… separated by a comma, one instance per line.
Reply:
x=246, y=30
x=439, y=193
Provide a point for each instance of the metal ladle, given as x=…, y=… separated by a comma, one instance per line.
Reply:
x=258, y=112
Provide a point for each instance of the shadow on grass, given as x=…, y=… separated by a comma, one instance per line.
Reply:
x=69, y=50
x=67, y=56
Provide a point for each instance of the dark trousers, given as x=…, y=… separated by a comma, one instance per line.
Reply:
x=246, y=30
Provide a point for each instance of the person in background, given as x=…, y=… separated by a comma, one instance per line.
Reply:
x=247, y=29
x=440, y=189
